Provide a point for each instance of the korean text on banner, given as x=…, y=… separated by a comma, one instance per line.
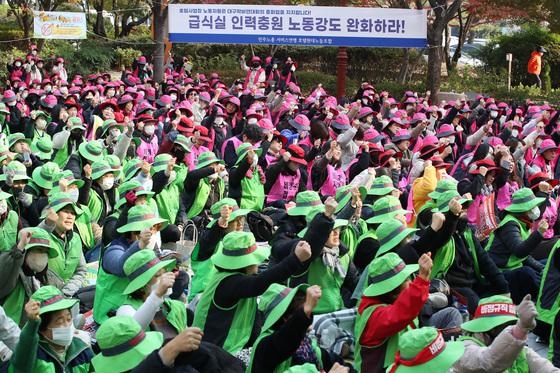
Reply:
x=59, y=25
x=297, y=25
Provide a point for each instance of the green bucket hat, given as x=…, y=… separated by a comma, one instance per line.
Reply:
x=44, y=175
x=344, y=195
x=69, y=176
x=39, y=238
x=76, y=123
x=239, y=250
x=114, y=162
x=131, y=186
x=338, y=223
x=490, y=313
x=141, y=266
x=39, y=113
x=52, y=299
x=275, y=301
x=123, y=345
x=42, y=148
x=386, y=273
x=184, y=142
x=390, y=233
x=442, y=202
x=4, y=195
x=523, y=200
x=4, y=109
x=91, y=150
x=236, y=211
x=425, y=350
x=4, y=152
x=381, y=186
x=19, y=170
x=16, y=137
x=443, y=186
x=100, y=168
x=131, y=168
x=160, y=163
x=242, y=151
x=308, y=203
x=139, y=218
x=206, y=159
x=386, y=208
x=58, y=201
x=108, y=124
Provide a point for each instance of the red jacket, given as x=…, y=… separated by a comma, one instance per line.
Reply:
x=534, y=65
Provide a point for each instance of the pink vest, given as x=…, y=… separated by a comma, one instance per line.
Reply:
x=270, y=159
x=193, y=155
x=148, y=150
x=551, y=215
x=285, y=187
x=255, y=78
x=236, y=142
x=541, y=163
x=335, y=179
x=503, y=198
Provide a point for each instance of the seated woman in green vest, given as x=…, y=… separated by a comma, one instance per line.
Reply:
x=227, y=217
x=41, y=184
x=100, y=191
x=203, y=187
x=168, y=184
x=48, y=343
x=381, y=186
x=390, y=304
x=9, y=223
x=246, y=178
x=227, y=311
x=23, y=270
x=495, y=339
x=67, y=270
x=137, y=234
x=150, y=281
x=69, y=144
x=15, y=183
x=511, y=244
x=19, y=145
x=424, y=216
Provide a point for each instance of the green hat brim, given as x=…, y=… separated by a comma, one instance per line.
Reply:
x=338, y=223
x=97, y=175
x=90, y=157
x=434, y=195
x=387, y=246
x=381, y=218
x=16, y=177
x=230, y=262
x=145, y=277
x=122, y=201
x=208, y=163
x=524, y=207
x=77, y=210
x=4, y=195
x=13, y=142
x=141, y=225
x=391, y=283
x=234, y=215
x=241, y=157
x=39, y=180
x=154, y=170
x=60, y=305
x=279, y=310
x=484, y=324
x=441, y=363
x=303, y=211
x=380, y=191
x=446, y=207
x=115, y=125
x=344, y=201
x=130, y=359
x=52, y=253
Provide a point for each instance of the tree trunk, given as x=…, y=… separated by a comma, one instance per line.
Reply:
x=413, y=65
x=116, y=17
x=446, y=49
x=405, y=65
x=160, y=16
x=99, y=28
x=434, y=63
x=464, y=29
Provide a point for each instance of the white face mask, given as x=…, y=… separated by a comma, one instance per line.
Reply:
x=18, y=64
x=514, y=133
x=393, y=110
x=252, y=121
x=41, y=124
x=149, y=130
x=214, y=176
x=534, y=213
x=3, y=207
x=219, y=121
x=48, y=88
x=329, y=115
x=153, y=242
x=173, y=97
x=451, y=139
x=64, y=90
x=74, y=194
x=494, y=114
x=108, y=183
x=115, y=132
x=36, y=261
x=409, y=107
x=12, y=103
x=63, y=336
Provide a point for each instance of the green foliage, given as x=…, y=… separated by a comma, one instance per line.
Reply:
x=124, y=56
x=521, y=44
x=8, y=55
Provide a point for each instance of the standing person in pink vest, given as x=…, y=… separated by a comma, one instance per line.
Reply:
x=546, y=159
x=148, y=147
x=286, y=178
x=256, y=76
x=327, y=175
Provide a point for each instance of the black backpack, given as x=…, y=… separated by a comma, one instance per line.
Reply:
x=261, y=225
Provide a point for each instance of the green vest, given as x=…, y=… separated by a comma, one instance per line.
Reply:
x=329, y=281
x=108, y=293
x=202, y=270
x=349, y=237
x=514, y=262
x=549, y=287
x=392, y=343
x=95, y=205
x=175, y=312
x=37, y=136
x=69, y=254
x=444, y=259
x=245, y=311
x=61, y=156
x=201, y=196
x=468, y=235
x=520, y=364
x=252, y=193
x=8, y=231
x=83, y=226
x=14, y=303
x=168, y=199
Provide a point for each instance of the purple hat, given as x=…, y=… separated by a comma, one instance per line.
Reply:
x=255, y=59
x=125, y=99
x=164, y=100
x=9, y=96
x=234, y=100
x=364, y=112
x=371, y=135
x=143, y=107
x=547, y=144
x=410, y=100
x=492, y=107
x=341, y=122
x=401, y=135
x=204, y=96
x=50, y=101
x=445, y=130
x=300, y=122
x=220, y=113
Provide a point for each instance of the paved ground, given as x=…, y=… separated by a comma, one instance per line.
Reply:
x=540, y=348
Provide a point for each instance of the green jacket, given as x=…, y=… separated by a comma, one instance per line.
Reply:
x=34, y=355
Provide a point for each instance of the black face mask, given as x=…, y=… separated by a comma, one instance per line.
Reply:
x=76, y=135
x=179, y=153
x=256, y=65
